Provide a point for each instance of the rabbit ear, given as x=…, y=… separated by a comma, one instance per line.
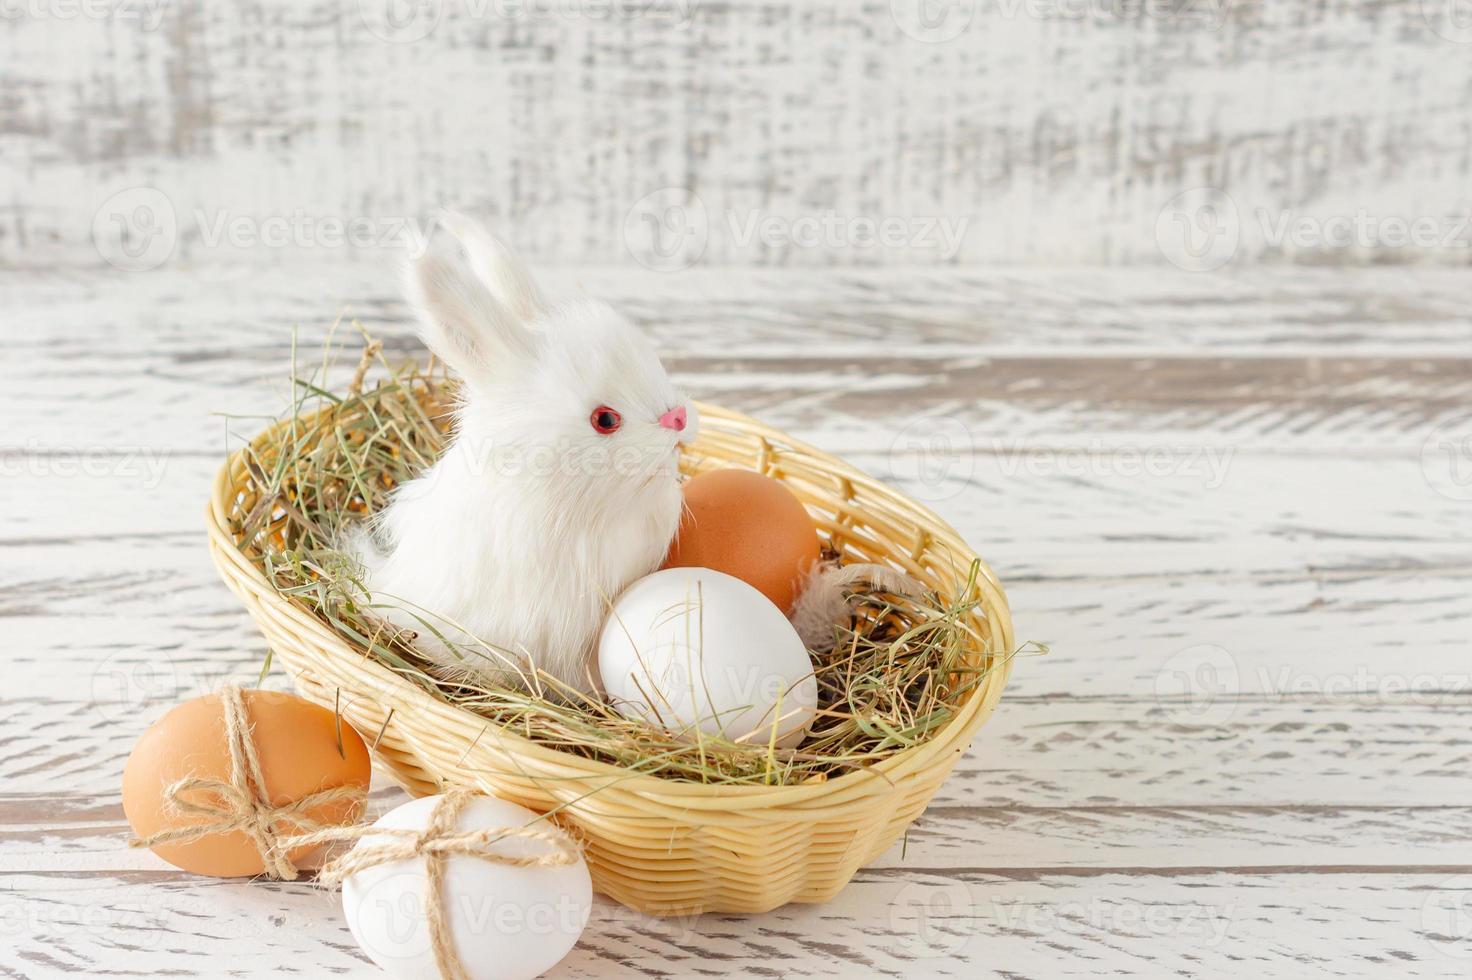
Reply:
x=462, y=322
x=498, y=266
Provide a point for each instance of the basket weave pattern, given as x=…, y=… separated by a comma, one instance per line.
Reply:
x=664, y=846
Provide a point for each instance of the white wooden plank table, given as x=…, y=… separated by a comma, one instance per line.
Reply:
x=1236, y=505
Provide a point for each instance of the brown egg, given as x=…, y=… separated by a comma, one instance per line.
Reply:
x=297, y=743
x=749, y=526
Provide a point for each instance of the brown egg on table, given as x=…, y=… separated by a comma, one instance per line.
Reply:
x=749, y=526
x=300, y=753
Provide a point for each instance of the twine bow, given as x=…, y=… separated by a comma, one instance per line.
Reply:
x=436, y=844
x=241, y=803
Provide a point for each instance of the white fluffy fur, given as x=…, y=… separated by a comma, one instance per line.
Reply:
x=512, y=544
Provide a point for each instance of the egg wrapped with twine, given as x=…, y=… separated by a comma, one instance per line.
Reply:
x=217, y=784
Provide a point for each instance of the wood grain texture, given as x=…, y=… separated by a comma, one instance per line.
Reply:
x=1265, y=360
x=970, y=924
x=1233, y=501
x=1244, y=754
x=1044, y=131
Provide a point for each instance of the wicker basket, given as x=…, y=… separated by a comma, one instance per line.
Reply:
x=662, y=846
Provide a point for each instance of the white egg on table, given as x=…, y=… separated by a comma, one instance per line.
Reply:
x=692, y=648
x=506, y=922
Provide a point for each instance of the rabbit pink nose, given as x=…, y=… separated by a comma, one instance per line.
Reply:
x=674, y=419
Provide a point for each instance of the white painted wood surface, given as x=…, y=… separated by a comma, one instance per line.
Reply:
x=1044, y=130
x=1236, y=505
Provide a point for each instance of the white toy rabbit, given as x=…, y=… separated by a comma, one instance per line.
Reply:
x=559, y=486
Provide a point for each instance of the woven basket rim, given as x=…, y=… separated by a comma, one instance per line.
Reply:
x=953, y=736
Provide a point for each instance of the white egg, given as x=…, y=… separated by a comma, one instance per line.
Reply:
x=507, y=922
x=692, y=648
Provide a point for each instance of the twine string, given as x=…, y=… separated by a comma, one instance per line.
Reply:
x=436, y=844
x=241, y=803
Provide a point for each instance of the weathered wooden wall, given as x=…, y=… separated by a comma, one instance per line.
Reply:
x=1049, y=131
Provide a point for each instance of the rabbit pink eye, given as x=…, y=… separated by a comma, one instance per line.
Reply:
x=606, y=420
